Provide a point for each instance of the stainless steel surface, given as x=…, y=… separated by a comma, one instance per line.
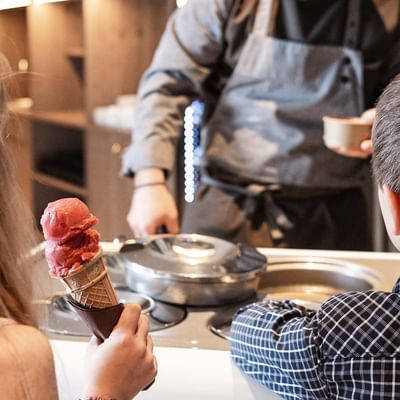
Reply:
x=380, y=270
x=195, y=331
x=58, y=316
x=312, y=280
x=308, y=281
x=192, y=269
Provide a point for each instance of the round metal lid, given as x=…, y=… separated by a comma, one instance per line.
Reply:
x=193, y=257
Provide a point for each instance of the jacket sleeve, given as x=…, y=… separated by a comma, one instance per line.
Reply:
x=188, y=50
x=277, y=344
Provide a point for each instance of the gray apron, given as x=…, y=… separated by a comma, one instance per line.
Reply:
x=266, y=130
x=267, y=125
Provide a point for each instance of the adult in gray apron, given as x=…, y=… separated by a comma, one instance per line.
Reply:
x=293, y=191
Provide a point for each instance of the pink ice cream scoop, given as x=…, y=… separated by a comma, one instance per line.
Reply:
x=70, y=242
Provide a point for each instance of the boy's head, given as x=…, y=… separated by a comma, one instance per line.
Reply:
x=386, y=157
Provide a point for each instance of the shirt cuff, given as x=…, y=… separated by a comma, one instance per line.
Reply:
x=155, y=154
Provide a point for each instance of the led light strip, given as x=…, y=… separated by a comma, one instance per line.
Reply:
x=188, y=155
x=191, y=149
x=181, y=3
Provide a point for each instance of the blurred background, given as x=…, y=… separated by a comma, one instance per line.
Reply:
x=78, y=65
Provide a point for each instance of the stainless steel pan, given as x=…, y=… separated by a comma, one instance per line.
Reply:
x=192, y=269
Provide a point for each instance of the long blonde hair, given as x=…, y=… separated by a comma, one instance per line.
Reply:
x=17, y=233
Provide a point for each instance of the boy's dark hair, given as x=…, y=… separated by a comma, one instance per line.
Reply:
x=386, y=137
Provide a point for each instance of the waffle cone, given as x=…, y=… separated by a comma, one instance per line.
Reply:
x=90, y=286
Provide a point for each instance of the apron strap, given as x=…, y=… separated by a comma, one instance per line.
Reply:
x=264, y=23
x=352, y=30
x=275, y=216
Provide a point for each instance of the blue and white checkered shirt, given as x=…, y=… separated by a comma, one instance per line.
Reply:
x=348, y=349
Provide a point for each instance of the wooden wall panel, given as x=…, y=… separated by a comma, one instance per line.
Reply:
x=120, y=38
x=53, y=30
x=109, y=193
x=82, y=53
x=13, y=44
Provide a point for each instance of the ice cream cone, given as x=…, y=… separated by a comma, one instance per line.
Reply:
x=90, y=285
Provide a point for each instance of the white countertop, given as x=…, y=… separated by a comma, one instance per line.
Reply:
x=184, y=374
x=208, y=373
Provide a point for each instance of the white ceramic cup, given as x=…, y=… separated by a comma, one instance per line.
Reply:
x=345, y=132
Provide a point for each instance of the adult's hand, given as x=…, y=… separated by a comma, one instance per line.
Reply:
x=123, y=364
x=151, y=208
x=366, y=146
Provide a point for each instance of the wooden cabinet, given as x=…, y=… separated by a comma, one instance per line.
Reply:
x=109, y=192
x=80, y=54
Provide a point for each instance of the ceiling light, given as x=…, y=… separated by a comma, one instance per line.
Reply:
x=7, y=4
x=37, y=2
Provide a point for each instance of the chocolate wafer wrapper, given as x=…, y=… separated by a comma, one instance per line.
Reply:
x=100, y=321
